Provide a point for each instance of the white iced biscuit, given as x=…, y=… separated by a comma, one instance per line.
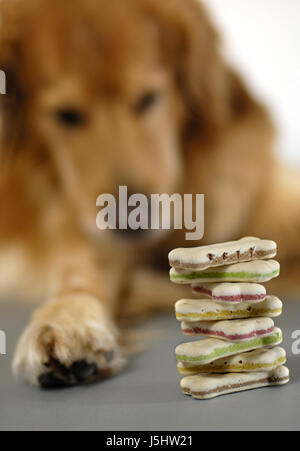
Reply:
x=230, y=330
x=244, y=250
x=255, y=271
x=232, y=292
x=208, y=350
x=193, y=310
x=210, y=386
x=258, y=360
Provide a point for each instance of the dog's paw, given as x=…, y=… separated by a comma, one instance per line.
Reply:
x=69, y=341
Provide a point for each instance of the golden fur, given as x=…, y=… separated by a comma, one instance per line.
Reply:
x=125, y=92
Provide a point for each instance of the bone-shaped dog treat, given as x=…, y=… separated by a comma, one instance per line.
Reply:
x=232, y=292
x=210, y=386
x=257, y=360
x=255, y=271
x=193, y=310
x=208, y=350
x=236, y=331
x=244, y=250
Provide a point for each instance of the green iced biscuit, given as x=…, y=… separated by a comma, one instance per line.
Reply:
x=209, y=350
x=255, y=271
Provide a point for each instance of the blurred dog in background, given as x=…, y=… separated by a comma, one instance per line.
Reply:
x=103, y=94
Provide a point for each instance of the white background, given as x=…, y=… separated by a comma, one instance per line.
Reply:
x=262, y=38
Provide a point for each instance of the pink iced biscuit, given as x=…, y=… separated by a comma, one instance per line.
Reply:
x=236, y=330
x=232, y=292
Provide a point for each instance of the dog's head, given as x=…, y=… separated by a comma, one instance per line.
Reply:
x=110, y=89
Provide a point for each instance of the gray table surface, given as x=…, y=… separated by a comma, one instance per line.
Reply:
x=147, y=395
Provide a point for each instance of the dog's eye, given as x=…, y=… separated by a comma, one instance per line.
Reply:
x=146, y=102
x=70, y=117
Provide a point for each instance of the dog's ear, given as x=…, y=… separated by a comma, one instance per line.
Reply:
x=192, y=47
x=13, y=101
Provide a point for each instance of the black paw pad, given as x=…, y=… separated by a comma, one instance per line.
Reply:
x=49, y=380
x=83, y=371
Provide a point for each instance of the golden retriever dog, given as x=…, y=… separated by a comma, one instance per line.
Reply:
x=102, y=94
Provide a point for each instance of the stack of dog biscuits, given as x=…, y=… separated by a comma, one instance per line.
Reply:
x=241, y=349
